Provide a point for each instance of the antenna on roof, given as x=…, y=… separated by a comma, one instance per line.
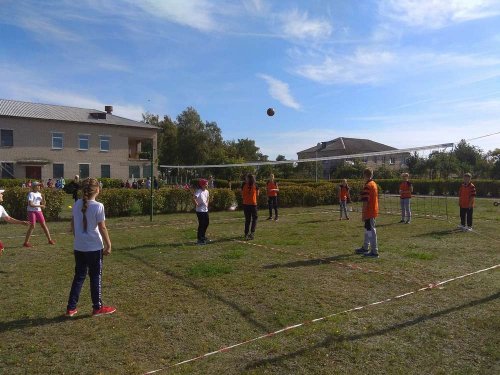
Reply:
x=108, y=109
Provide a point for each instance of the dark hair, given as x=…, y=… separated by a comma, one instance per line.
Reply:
x=89, y=188
x=251, y=180
x=368, y=173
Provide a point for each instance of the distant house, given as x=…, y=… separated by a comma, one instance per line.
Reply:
x=41, y=141
x=349, y=146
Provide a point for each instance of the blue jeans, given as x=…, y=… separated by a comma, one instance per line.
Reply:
x=405, y=209
x=370, y=241
x=91, y=262
x=343, y=208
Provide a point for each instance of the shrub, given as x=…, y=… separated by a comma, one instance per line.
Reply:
x=111, y=182
x=15, y=202
x=143, y=197
x=221, y=199
x=118, y=202
x=11, y=182
x=176, y=200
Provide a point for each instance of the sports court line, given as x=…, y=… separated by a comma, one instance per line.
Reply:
x=429, y=286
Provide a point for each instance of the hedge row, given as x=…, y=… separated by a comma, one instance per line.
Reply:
x=484, y=188
x=15, y=202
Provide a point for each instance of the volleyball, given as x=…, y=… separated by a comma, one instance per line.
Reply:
x=270, y=111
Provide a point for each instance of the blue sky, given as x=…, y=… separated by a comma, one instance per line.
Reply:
x=401, y=72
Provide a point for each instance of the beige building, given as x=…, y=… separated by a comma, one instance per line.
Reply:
x=350, y=146
x=41, y=141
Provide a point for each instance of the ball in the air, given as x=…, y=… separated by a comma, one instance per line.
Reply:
x=70, y=207
x=270, y=111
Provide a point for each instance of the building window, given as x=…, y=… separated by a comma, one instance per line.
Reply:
x=7, y=138
x=134, y=171
x=83, y=142
x=104, y=141
x=392, y=161
x=57, y=141
x=58, y=170
x=365, y=159
x=375, y=159
x=7, y=170
x=84, y=170
x=383, y=159
x=105, y=171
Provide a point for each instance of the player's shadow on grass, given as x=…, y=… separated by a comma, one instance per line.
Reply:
x=438, y=233
x=332, y=339
x=37, y=322
x=243, y=312
x=309, y=262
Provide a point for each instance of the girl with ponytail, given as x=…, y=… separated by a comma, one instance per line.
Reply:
x=91, y=242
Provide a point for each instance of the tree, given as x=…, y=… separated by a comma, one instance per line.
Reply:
x=283, y=170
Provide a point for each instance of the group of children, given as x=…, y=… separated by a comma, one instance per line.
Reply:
x=92, y=242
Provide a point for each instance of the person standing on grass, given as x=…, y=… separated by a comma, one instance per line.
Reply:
x=5, y=216
x=201, y=198
x=405, y=190
x=272, y=197
x=91, y=242
x=369, y=197
x=35, y=204
x=249, y=193
x=73, y=187
x=466, y=201
x=344, y=196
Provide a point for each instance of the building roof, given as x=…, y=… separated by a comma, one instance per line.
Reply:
x=348, y=146
x=15, y=108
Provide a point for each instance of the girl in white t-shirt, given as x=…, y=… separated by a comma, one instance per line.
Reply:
x=35, y=204
x=91, y=242
x=5, y=216
x=201, y=198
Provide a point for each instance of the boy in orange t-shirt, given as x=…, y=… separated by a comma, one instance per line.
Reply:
x=344, y=196
x=466, y=197
x=369, y=197
x=405, y=190
x=272, y=197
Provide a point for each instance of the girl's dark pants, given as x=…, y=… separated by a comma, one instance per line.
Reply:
x=272, y=202
x=91, y=262
x=203, y=222
x=466, y=214
x=250, y=217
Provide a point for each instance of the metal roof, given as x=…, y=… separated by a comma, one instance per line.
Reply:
x=348, y=146
x=14, y=108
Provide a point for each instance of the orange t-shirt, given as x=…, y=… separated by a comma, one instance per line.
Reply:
x=465, y=195
x=405, y=188
x=270, y=186
x=343, y=193
x=369, y=197
x=249, y=194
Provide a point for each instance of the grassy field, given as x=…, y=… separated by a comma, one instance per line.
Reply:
x=176, y=300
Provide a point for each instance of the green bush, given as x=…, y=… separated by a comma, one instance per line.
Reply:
x=176, y=200
x=11, y=182
x=143, y=197
x=118, y=202
x=16, y=202
x=484, y=188
x=221, y=199
x=110, y=182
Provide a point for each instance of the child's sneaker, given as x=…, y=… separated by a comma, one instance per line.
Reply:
x=407, y=222
x=360, y=251
x=276, y=218
x=201, y=242
x=402, y=221
x=70, y=312
x=251, y=236
x=27, y=244
x=371, y=255
x=269, y=218
x=468, y=229
x=104, y=310
x=52, y=242
x=347, y=218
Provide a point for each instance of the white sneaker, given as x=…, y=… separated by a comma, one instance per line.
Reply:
x=468, y=229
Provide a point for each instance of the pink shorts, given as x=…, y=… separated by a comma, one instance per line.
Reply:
x=34, y=216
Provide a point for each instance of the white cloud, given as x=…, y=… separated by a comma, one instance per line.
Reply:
x=280, y=91
x=198, y=14
x=363, y=66
x=21, y=84
x=297, y=25
x=46, y=29
x=434, y=14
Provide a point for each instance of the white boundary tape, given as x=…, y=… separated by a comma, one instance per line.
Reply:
x=288, y=328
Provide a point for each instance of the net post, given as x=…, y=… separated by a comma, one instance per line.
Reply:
x=446, y=205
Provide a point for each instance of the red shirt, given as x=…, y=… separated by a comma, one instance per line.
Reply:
x=369, y=197
x=343, y=193
x=249, y=194
x=270, y=186
x=405, y=188
x=465, y=195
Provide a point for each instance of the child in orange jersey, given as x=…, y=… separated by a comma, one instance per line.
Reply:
x=466, y=198
x=272, y=197
x=405, y=190
x=369, y=197
x=249, y=192
x=343, y=198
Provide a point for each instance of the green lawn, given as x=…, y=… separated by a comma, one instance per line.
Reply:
x=176, y=300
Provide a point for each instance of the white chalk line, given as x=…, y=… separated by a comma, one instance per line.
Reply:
x=288, y=328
